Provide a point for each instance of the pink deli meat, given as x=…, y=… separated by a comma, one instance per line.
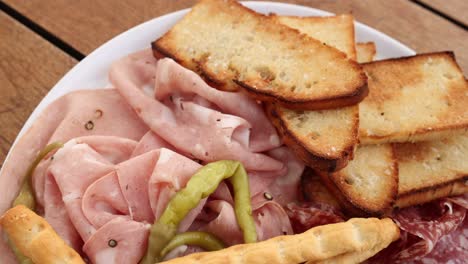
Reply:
x=192, y=118
x=64, y=119
x=129, y=152
x=99, y=190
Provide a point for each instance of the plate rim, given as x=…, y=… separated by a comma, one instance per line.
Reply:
x=54, y=93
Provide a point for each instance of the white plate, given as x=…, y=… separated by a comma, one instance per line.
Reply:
x=91, y=72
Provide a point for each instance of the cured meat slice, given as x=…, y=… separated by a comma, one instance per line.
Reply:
x=173, y=78
x=308, y=215
x=80, y=113
x=150, y=141
x=428, y=233
x=194, y=127
x=270, y=221
x=119, y=241
x=76, y=166
x=103, y=201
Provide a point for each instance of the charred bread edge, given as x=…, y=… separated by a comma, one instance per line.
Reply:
x=353, y=56
x=421, y=134
x=427, y=194
x=348, y=206
x=353, y=206
x=350, y=98
x=311, y=158
x=450, y=53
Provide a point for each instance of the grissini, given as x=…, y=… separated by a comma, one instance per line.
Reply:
x=36, y=239
x=349, y=242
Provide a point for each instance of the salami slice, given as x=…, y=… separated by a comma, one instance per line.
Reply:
x=307, y=215
x=435, y=232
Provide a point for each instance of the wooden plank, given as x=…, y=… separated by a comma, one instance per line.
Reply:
x=455, y=9
x=29, y=67
x=411, y=24
x=86, y=24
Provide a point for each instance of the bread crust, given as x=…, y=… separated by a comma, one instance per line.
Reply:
x=35, y=238
x=359, y=239
x=311, y=157
x=431, y=170
x=365, y=52
x=420, y=196
x=346, y=93
x=352, y=98
x=393, y=113
x=361, y=204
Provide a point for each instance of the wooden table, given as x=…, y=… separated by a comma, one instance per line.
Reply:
x=42, y=40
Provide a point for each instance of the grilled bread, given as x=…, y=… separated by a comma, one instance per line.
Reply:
x=365, y=52
x=230, y=46
x=359, y=239
x=432, y=169
x=323, y=139
x=369, y=184
x=336, y=31
x=416, y=98
x=418, y=173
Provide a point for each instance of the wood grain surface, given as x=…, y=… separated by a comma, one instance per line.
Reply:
x=29, y=67
x=455, y=9
x=86, y=24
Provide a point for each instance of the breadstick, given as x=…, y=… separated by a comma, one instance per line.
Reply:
x=36, y=239
x=349, y=242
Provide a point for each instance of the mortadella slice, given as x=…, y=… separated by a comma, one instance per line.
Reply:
x=207, y=134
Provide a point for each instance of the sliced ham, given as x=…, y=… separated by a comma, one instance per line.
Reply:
x=62, y=120
x=270, y=220
x=98, y=188
x=128, y=151
x=204, y=131
x=103, y=201
x=150, y=141
x=77, y=165
x=285, y=188
x=224, y=225
x=173, y=78
x=131, y=239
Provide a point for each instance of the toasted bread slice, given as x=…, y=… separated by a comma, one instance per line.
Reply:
x=416, y=98
x=324, y=139
x=432, y=169
x=369, y=184
x=229, y=45
x=365, y=52
x=336, y=31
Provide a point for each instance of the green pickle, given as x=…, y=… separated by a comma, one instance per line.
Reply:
x=204, y=240
x=26, y=194
x=201, y=185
